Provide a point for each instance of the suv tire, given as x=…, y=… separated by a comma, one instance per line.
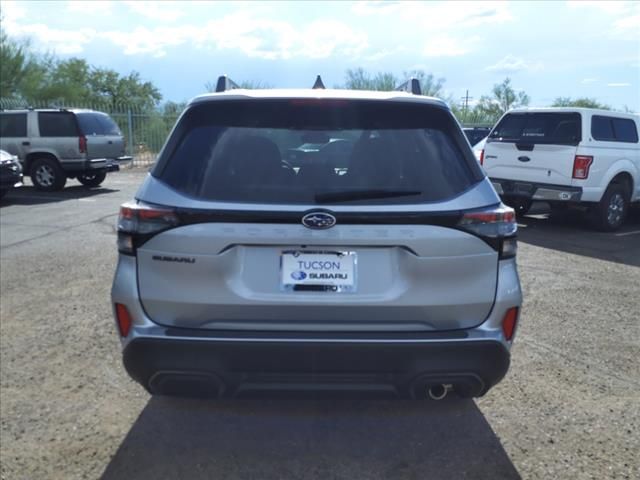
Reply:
x=610, y=213
x=47, y=175
x=93, y=179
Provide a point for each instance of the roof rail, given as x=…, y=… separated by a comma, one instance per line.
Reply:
x=225, y=83
x=412, y=86
x=318, y=84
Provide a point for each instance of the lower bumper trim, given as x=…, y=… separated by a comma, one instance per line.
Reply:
x=219, y=368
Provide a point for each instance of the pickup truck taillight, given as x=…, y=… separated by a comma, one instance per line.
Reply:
x=482, y=157
x=138, y=222
x=82, y=144
x=581, y=166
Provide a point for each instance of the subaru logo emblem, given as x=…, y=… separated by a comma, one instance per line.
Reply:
x=298, y=275
x=318, y=220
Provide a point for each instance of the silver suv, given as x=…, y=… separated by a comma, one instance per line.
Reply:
x=240, y=271
x=54, y=145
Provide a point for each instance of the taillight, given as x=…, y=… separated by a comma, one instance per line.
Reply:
x=138, y=222
x=509, y=323
x=82, y=144
x=497, y=226
x=581, y=164
x=124, y=319
x=482, y=157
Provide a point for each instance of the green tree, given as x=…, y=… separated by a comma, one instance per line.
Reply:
x=503, y=98
x=582, y=102
x=360, y=79
x=429, y=85
x=108, y=86
x=17, y=66
x=248, y=84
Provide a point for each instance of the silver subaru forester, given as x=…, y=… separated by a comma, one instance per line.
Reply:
x=316, y=240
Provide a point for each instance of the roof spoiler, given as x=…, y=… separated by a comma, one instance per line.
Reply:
x=225, y=83
x=412, y=86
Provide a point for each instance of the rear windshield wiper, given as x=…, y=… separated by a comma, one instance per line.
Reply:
x=354, y=195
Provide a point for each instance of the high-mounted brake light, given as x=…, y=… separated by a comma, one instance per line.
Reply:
x=138, y=222
x=496, y=225
x=581, y=164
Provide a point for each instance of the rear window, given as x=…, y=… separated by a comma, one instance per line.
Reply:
x=97, y=124
x=317, y=152
x=613, y=129
x=57, y=124
x=549, y=128
x=13, y=125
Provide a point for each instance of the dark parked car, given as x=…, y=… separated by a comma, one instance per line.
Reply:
x=475, y=134
x=10, y=172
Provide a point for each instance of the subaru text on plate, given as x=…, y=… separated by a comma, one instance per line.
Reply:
x=392, y=271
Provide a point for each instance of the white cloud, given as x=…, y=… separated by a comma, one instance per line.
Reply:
x=375, y=7
x=255, y=37
x=90, y=7
x=60, y=41
x=448, y=47
x=624, y=16
x=165, y=11
x=622, y=84
x=513, y=64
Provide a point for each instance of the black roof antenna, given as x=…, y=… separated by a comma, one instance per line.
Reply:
x=225, y=83
x=412, y=86
x=318, y=84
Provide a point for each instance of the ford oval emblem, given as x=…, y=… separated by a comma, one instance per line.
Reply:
x=318, y=220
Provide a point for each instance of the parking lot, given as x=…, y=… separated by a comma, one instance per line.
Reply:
x=567, y=409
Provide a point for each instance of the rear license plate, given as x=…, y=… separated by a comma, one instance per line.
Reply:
x=318, y=271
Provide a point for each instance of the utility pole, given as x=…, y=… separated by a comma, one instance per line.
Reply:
x=465, y=107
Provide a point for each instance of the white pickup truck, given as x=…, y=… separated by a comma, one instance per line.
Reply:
x=567, y=157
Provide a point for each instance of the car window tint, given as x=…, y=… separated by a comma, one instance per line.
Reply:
x=13, y=125
x=281, y=152
x=548, y=128
x=625, y=130
x=57, y=124
x=602, y=128
x=109, y=127
x=90, y=124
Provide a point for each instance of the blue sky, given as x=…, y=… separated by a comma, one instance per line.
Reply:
x=549, y=49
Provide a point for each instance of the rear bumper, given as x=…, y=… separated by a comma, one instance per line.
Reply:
x=536, y=191
x=232, y=366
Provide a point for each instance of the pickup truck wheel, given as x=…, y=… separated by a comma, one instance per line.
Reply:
x=92, y=179
x=47, y=175
x=610, y=213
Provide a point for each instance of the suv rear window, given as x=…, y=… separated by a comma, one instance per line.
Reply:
x=92, y=123
x=13, y=125
x=549, y=128
x=317, y=152
x=57, y=124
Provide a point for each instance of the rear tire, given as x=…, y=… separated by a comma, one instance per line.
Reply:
x=610, y=213
x=47, y=175
x=92, y=179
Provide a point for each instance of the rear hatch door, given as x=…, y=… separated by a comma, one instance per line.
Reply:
x=373, y=246
x=104, y=139
x=536, y=147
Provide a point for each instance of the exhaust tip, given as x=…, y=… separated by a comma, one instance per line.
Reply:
x=438, y=392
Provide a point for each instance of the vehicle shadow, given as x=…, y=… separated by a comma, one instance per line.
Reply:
x=310, y=439
x=571, y=232
x=28, y=195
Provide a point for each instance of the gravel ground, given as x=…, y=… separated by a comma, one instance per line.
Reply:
x=569, y=407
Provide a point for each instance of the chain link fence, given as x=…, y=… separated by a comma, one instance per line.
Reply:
x=144, y=129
